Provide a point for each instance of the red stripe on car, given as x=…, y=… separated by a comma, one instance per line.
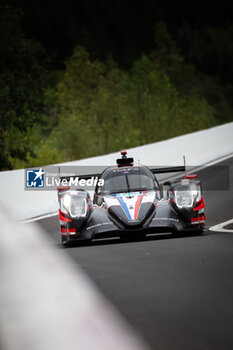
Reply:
x=64, y=188
x=137, y=205
x=62, y=217
x=200, y=218
x=67, y=230
x=200, y=204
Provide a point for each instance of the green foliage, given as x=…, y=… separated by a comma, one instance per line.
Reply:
x=100, y=108
x=210, y=49
x=22, y=78
x=92, y=108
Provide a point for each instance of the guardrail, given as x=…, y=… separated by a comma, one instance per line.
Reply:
x=46, y=303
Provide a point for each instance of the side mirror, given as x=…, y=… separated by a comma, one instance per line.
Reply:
x=99, y=200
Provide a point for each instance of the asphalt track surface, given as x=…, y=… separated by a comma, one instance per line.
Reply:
x=177, y=292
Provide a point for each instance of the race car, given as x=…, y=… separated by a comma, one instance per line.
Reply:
x=129, y=202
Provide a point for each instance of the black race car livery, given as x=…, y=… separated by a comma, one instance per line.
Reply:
x=130, y=202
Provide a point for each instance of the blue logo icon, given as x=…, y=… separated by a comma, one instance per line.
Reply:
x=35, y=178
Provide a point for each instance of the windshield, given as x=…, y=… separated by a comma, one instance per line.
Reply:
x=128, y=180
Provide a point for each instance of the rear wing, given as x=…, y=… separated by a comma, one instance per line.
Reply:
x=121, y=162
x=81, y=177
x=174, y=169
x=162, y=170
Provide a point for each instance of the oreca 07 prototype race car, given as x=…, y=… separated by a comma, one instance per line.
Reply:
x=129, y=202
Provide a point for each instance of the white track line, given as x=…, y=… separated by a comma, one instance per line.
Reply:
x=220, y=227
x=40, y=217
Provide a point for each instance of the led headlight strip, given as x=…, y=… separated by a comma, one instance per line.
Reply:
x=74, y=205
x=184, y=198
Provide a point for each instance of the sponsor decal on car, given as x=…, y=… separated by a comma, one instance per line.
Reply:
x=99, y=224
x=166, y=219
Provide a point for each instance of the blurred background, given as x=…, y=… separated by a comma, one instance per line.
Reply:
x=80, y=78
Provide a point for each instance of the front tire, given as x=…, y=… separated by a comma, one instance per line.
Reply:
x=199, y=232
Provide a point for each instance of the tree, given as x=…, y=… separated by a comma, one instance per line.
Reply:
x=22, y=80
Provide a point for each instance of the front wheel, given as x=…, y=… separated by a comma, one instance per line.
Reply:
x=65, y=242
x=197, y=232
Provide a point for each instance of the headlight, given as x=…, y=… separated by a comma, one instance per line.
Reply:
x=185, y=198
x=74, y=205
x=66, y=202
x=78, y=207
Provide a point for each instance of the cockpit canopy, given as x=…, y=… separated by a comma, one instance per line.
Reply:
x=127, y=179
